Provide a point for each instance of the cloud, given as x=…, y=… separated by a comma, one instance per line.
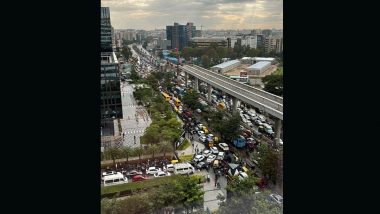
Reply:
x=213, y=14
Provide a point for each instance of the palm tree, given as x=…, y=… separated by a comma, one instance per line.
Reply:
x=138, y=151
x=127, y=151
x=113, y=153
x=153, y=149
x=165, y=146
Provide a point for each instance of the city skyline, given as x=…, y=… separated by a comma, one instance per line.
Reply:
x=213, y=14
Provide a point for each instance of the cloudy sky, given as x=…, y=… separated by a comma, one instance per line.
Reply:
x=212, y=14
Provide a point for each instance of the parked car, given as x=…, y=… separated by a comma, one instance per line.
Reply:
x=224, y=146
x=139, y=178
x=276, y=198
x=199, y=158
x=211, y=158
x=133, y=173
x=220, y=156
x=206, y=153
x=214, y=150
x=152, y=170
x=202, y=165
x=258, y=122
x=170, y=168
x=200, y=133
x=161, y=174
x=202, y=138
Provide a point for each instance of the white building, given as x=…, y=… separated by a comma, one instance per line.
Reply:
x=258, y=68
x=263, y=59
x=226, y=66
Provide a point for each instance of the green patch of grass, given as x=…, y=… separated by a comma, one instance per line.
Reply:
x=185, y=144
x=279, y=71
x=186, y=158
x=135, y=186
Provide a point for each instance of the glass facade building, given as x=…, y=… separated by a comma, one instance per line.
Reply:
x=111, y=107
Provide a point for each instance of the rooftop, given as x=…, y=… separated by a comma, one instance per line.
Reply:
x=263, y=58
x=108, y=57
x=259, y=65
x=226, y=64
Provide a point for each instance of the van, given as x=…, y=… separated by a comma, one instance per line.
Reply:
x=170, y=167
x=183, y=169
x=114, y=179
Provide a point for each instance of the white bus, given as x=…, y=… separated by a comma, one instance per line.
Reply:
x=183, y=169
x=114, y=179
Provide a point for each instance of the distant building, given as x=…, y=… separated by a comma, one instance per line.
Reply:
x=198, y=33
x=226, y=66
x=165, y=44
x=206, y=42
x=179, y=35
x=279, y=44
x=260, y=41
x=273, y=44
x=258, y=68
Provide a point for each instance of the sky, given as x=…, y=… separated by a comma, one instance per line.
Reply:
x=211, y=14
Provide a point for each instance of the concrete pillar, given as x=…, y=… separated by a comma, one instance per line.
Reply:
x=277, y=130
x=209, y=92
x=234, y=104
x=196, y=80
x=186, y=79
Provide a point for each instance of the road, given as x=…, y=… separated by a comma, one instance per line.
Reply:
x=135, y=118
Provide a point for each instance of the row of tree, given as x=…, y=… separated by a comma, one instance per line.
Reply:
x=113, y=153
x=182, y=194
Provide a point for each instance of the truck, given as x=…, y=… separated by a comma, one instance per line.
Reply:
x=239, y=142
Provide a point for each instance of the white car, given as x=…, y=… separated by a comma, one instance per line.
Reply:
x=152, y=170
x=199, y=158
x=202, y=138
x=276, y=198
x=161, y=174
x=200, y=133
x=214, y=150
x=211, y=158
x=198, y=111
x=206, y=153
x=224, y=146
x=220, y=156
x=242, y=175
x=200, y=126
x=258, y=122
x=210, y=136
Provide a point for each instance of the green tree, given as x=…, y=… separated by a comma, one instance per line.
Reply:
x=191, y=99
x=135, y=204
x=229, y=128
x=113, y=153
x=268, y=160
x=273, y=84
x=153, y=149
x=165, y=146
x=138, y=151
x=128, y=152
x=110, y=206
x=205, y=61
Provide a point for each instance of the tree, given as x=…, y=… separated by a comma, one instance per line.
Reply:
x=165, y=146
x=138, y=151
x=229, y=128
x=273, y=84
x=268, y=160
x=205, y=61
x=153, y=149
x=127, y=151
x=113, y=153
x=191, y=99
x=135, y=204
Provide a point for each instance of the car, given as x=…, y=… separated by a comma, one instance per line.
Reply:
x=200, y=133
x=214, y=150
x=196, y=129
x=224, y=146
x=210, y=136
x=202, y=138
x=242, y=175
x=202, y=165
x=198, y=111
x=220, y=156
x=139, y=178
x=161, y=174
x=133, y=173
x=198, y=158
x=170, y=168
x=258, y=122
x=109, y=173
x=152, y=170
x=276, y=198
x=211, y=158
x=206, y=153
x=262, y=118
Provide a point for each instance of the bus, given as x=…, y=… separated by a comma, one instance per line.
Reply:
x=177, y=102
x=166, y=96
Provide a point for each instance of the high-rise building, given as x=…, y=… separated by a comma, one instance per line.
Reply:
x=179, y=35
x=260, y=41
x=279, y=44
x=111, y=107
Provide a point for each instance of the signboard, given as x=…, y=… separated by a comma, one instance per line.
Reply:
x=243, y=74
